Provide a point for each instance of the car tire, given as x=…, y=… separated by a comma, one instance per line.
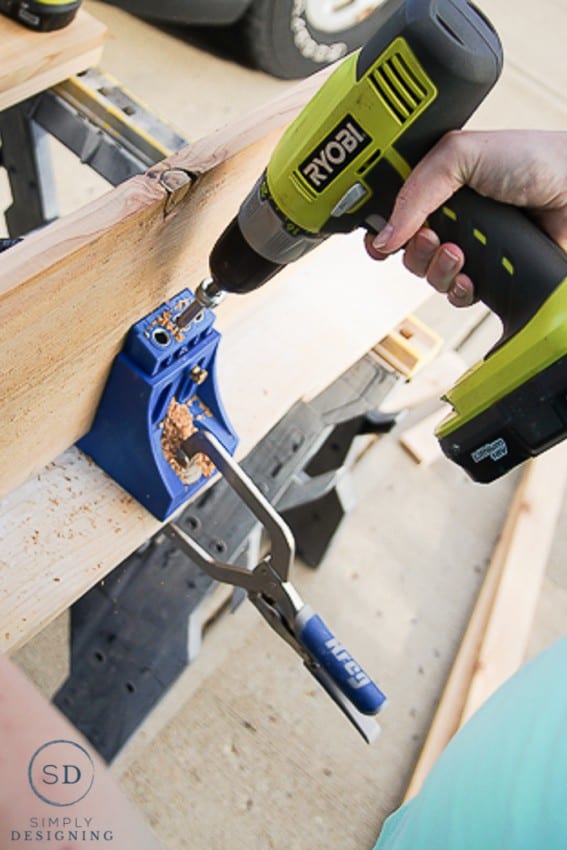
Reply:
x=294, y=38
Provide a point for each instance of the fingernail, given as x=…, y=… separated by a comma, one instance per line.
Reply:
x=382, y=239
x=426, y=242
x=448, y=261
x=461, y=294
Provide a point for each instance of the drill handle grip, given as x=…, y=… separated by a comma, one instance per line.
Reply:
x=514, y=266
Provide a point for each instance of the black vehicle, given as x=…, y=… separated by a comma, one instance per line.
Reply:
x=286, y=38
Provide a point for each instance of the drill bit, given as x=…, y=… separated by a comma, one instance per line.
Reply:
x=207, y=295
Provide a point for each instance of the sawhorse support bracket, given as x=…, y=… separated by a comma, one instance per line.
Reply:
x=103, y=125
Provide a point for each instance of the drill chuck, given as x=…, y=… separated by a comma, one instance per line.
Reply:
x=257, y=243
x=236, y=265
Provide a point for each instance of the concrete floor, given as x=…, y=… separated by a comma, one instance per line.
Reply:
x=246, y=751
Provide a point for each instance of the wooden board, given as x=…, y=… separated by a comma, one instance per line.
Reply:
x=34, y=61
x=420, y=441
x=67, y=297
x=525, y=558
x=495, y=640
x=69, y=293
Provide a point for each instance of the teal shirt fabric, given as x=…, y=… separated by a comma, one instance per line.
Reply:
x=501, y=783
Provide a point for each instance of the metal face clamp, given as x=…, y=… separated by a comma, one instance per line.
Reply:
x=275, y=597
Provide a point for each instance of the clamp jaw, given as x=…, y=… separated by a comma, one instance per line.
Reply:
x=275, y=597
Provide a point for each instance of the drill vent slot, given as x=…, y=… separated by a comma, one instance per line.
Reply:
x=398, y=87
x=451, y=31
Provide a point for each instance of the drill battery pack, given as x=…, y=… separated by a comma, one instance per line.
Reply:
x=42, y=15
x=513, y=404
x=523, y=424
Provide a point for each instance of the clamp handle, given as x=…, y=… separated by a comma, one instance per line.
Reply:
x=282, y=543
x=278, y=601
x=321, y=644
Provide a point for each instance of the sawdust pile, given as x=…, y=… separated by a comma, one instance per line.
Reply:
x=177, y=427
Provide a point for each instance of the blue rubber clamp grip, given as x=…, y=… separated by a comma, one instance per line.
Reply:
x=349, y=677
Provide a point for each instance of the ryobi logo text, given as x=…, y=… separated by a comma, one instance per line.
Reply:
x=334, y=153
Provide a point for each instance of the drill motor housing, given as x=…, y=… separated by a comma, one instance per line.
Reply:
x=341, y=163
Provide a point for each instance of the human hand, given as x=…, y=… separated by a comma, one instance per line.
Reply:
x=524, y=168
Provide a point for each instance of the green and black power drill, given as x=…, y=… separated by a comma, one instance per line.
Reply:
x=340, y=165
x=41, y=15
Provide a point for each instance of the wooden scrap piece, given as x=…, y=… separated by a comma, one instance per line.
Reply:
x=420, y=441
x=495, y=640
x=525, y=559
x=409, y=346
x=34, y=61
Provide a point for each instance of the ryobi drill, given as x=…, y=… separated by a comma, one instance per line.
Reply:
x=41, y=14
x=340, y=165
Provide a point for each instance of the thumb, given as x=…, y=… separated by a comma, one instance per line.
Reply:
x=433, y=181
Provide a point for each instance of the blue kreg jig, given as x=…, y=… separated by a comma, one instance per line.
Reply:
x=162, y=370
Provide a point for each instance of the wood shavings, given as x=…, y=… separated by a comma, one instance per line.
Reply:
x=178, y=425
x=165, y=321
